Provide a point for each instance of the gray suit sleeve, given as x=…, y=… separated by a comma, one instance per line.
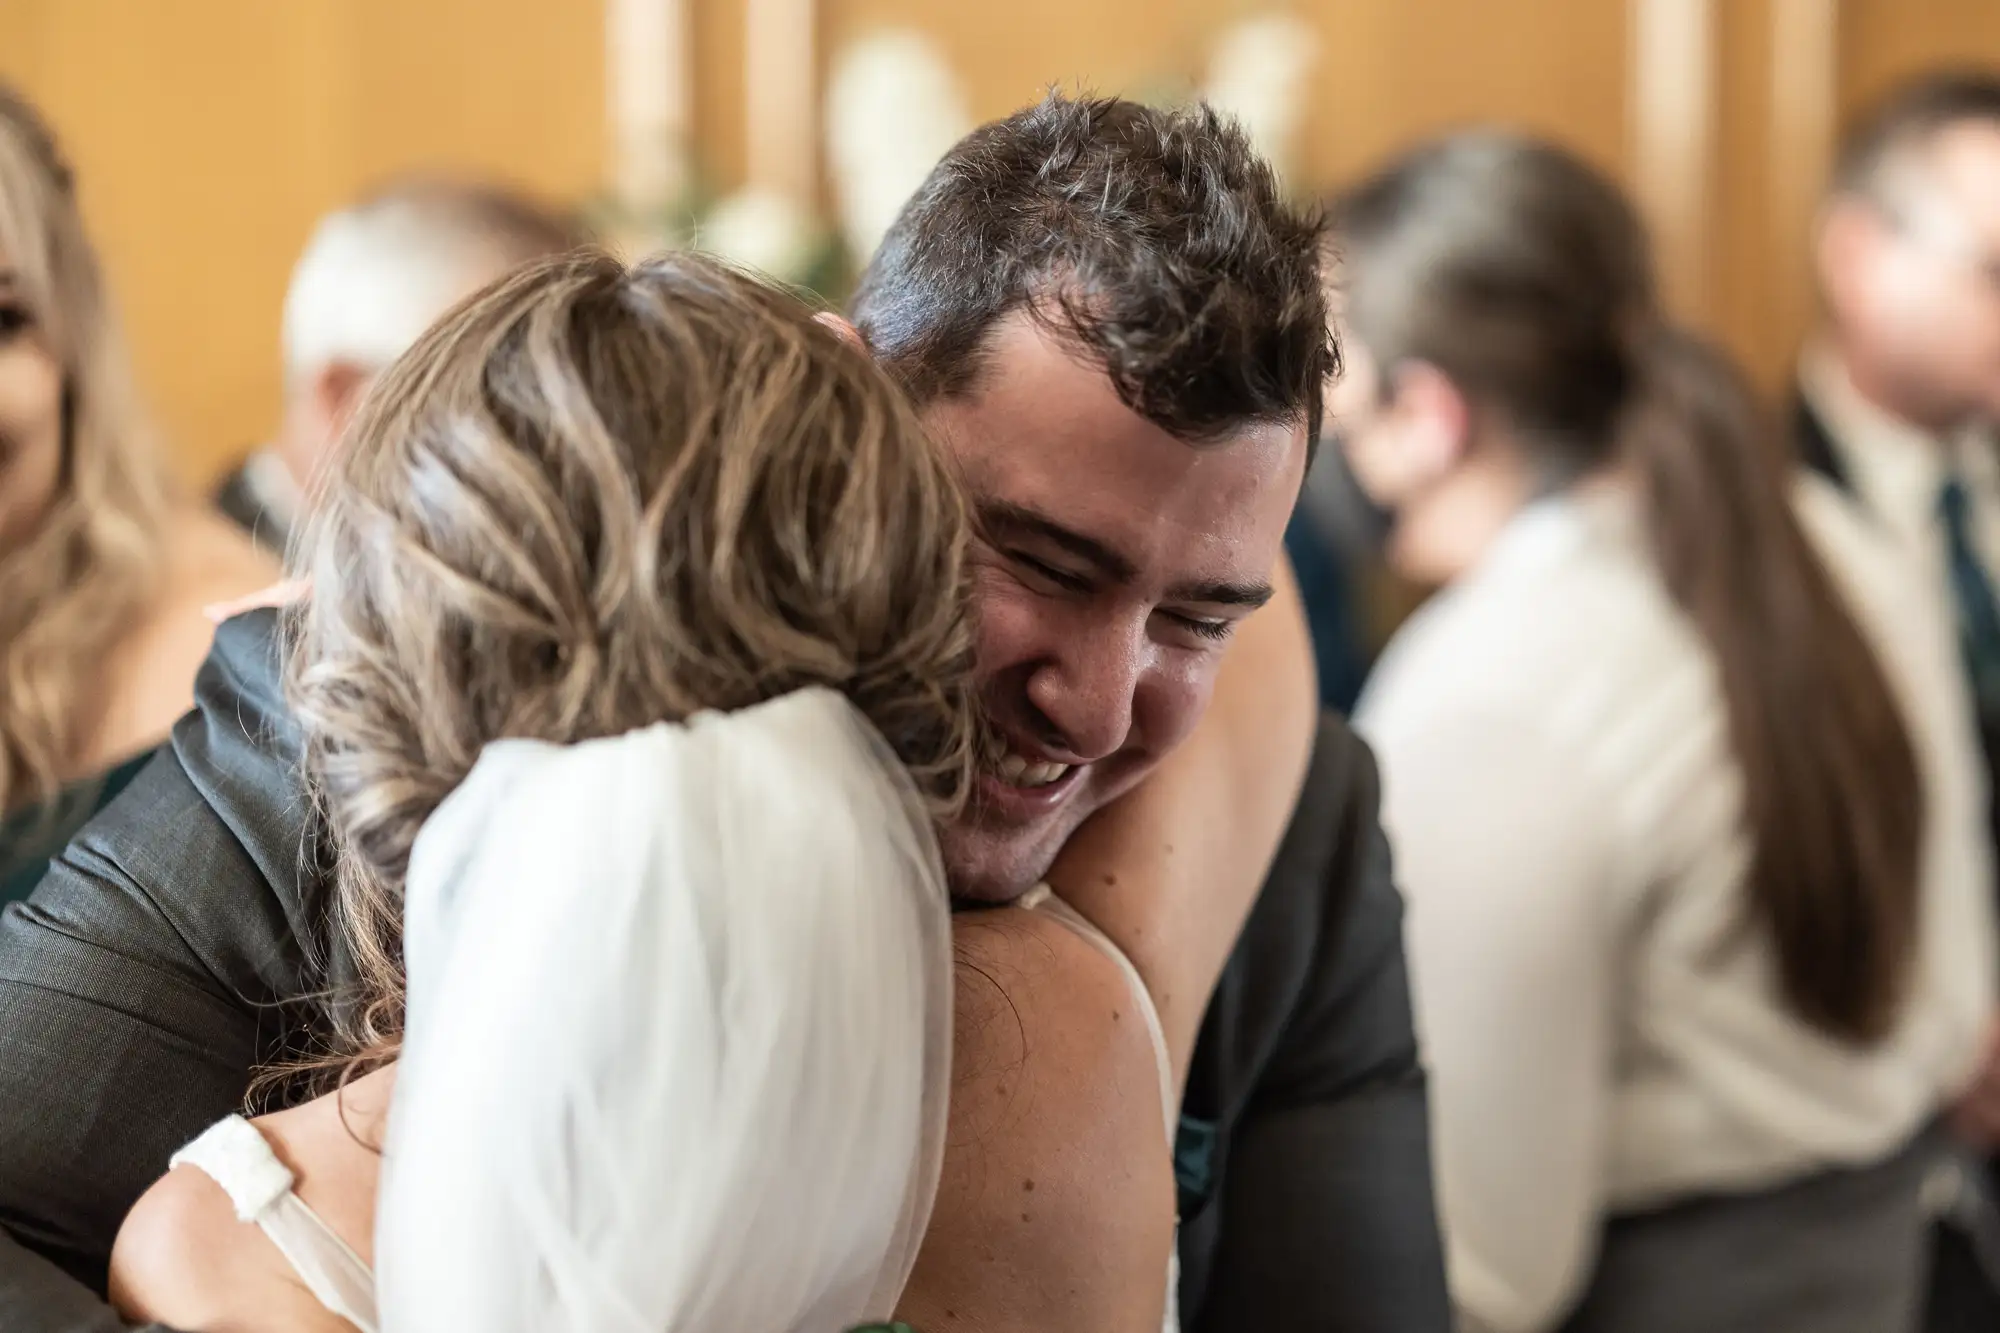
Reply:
x=127, y=1025
x=38, y=1297
x=1328, y=1223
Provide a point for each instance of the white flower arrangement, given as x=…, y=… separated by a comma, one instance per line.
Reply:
x=764, y=230
x=893, y=108
x=1258, y=73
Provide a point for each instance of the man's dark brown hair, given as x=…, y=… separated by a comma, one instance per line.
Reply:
x=1156, y=242
x=1910, y=115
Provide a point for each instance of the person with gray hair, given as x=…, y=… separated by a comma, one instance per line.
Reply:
x=372, y=278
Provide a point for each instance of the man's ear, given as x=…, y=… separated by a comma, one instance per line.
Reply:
x=1435, y=417
x=337, y=387
x=843, y=326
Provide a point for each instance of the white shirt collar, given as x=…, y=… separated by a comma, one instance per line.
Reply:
x=1897, y=468
x=271, y=484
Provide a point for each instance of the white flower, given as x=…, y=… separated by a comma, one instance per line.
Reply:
x=893, y=107
x=764, y=230
x=1258, y=74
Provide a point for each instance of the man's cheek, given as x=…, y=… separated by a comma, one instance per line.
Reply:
x=1171, y=701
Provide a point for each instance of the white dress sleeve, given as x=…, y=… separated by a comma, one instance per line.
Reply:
x=1503, y=851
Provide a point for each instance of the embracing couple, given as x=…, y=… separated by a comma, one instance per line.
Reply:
x=567, y=874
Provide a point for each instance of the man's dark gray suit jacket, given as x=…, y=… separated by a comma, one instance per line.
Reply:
x=160, y=960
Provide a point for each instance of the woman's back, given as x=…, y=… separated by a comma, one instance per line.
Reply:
x=1605, y=1026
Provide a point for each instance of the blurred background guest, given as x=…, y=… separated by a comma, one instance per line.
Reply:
x=373, y=277
x=1679, y=778
x=1353, y=598
x=1899, y=394
x=1328, y=587
x=104, y=568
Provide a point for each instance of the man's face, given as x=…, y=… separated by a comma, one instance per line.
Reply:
x=1916, y=286
x=1112, y=562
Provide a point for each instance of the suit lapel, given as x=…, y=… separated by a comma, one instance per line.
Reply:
x=1815, y=446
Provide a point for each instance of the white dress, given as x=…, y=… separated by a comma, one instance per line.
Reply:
x=235, y=1154
x=239, y=1159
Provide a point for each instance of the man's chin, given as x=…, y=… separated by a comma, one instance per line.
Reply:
x=986, y=871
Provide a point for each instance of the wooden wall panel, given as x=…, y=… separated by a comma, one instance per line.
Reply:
x=1394, y=71
x=1391, y=71
x=510, y=88
x=1673, y=76
x=209, y=134
x=1008, y=52
x=1882, y=41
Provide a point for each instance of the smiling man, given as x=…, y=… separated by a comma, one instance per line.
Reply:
x=1116, y=326
x=1114, y=322
x=1114, y=562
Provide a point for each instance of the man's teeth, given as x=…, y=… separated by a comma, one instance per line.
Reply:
x=1022, y=772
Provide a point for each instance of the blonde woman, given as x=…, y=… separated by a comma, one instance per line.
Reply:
x=635, y=671
x=103, y=570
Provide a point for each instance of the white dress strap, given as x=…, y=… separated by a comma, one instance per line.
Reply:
x=1042, y=898
x=235, y=1155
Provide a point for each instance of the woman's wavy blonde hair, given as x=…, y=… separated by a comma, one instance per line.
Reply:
x=93, y=560
x=592, y=498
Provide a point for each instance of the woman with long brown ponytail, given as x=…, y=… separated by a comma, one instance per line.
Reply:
x=1680, y=791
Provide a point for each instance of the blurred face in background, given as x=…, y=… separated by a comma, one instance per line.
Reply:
x=31, y=416
x=1111, y=563
x=1407, y=436
x=1911, y=273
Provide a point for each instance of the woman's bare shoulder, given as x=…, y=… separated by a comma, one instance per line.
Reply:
x=209, y=559
x=332, y=1144
x=149, y=677
x=184, y=1259
x=1055, y=1211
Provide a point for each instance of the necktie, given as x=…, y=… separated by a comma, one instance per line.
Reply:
x=1978, y=610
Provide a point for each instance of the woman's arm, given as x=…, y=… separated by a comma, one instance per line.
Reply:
x=1169, y=872
x=1055, y=1210
x=148, y=681
x=183, y=1257
x=1055, y=1207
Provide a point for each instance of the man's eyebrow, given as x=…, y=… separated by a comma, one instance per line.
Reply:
x=1251, y=595
x=1005, y=516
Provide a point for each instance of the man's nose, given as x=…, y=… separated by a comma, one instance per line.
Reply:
x=1087, y=690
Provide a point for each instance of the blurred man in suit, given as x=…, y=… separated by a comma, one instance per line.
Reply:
x=373, y=277
x=1899, y=396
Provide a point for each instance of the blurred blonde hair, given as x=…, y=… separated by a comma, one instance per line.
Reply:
x=592, y=498
x=94, y=560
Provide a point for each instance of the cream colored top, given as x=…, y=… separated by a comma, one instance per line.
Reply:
x=1565, y=810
